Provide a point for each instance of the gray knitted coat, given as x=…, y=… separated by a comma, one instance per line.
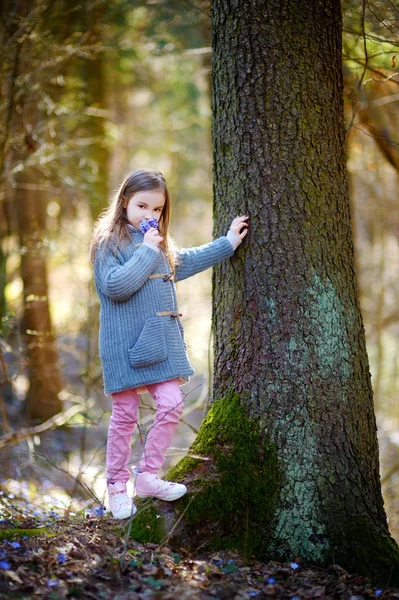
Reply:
x=138, y=343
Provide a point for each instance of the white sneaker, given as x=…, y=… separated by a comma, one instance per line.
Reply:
x=148, y=485
x=121, y=505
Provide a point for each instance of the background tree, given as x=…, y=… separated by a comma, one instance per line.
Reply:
x=32, y=142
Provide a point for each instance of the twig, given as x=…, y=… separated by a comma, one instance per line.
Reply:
x=385, y=77
x=366, y=60
x=27, y=432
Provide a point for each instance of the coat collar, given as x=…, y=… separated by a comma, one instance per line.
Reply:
x=136, y=234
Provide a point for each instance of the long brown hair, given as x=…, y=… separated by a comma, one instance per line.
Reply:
x=111, y=226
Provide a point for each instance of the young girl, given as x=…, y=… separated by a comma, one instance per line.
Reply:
x=141, y=340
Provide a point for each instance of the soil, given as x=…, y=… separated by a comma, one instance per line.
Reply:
x=44, y=554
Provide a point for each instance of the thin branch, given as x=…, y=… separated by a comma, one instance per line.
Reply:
x=388, y=140
x=388, y=78
x=27, y=432
x=373, y=70
x=374, y=38
x=366, y=60
x=389, y=474
x=385, y=100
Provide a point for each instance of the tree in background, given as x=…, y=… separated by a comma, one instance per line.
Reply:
x=41, y=44
x=286, y=463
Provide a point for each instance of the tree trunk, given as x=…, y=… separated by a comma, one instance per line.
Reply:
x=42, y=401
x=98, y=155
x=290, y=454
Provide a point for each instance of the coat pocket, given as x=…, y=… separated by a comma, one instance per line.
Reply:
x=151, y=347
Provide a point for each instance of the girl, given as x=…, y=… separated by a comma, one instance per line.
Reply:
x=141, y=340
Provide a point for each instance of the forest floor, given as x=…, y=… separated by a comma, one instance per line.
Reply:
x=90, y=555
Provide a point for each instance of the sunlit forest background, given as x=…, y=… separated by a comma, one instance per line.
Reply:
x=89, y=92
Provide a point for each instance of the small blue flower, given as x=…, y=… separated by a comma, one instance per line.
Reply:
x=52, y=582
x=61, y=558
x=100, y=510
x=253, y=594
x=271, y=580
x=15, y=545
x=378, y=592
x=26, y=537
x=4, y=564
x=146, y=225
x=294, y=565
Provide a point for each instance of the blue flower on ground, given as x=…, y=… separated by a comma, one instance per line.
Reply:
x=231, y=567
x=271, y=580
x=146, y=225
x=61, y=558
x=15, y=545
x=52, y=582
x=100, y=510
x=53, y=513
x=294, y=565
x=4, y=564
x=253, y=593
x=378, y=592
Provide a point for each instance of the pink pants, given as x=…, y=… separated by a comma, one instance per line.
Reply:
x=169, y=403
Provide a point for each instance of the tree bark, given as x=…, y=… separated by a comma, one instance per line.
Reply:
x=289, y=336
x=286, y=464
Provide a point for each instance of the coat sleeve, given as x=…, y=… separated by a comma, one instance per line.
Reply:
x=120, y=281
x=190, y=261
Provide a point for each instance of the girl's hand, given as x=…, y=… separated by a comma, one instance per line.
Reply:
x=238, y=230
x=152, y=238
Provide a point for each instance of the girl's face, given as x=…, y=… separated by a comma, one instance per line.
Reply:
x=145, y=205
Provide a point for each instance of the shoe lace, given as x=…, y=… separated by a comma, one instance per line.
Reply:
x=163, y=485
x=120, y=498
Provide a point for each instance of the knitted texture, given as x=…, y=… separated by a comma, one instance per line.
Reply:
x=136, y=346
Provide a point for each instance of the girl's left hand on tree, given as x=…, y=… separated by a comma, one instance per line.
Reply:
x=238, y=230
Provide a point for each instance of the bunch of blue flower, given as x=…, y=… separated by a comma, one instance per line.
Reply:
x=146, y=225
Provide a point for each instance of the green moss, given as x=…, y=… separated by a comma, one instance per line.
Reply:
x=14, y=533
x=147, y=526
x=183, y=468
x=369, y=553
x=235, y=490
